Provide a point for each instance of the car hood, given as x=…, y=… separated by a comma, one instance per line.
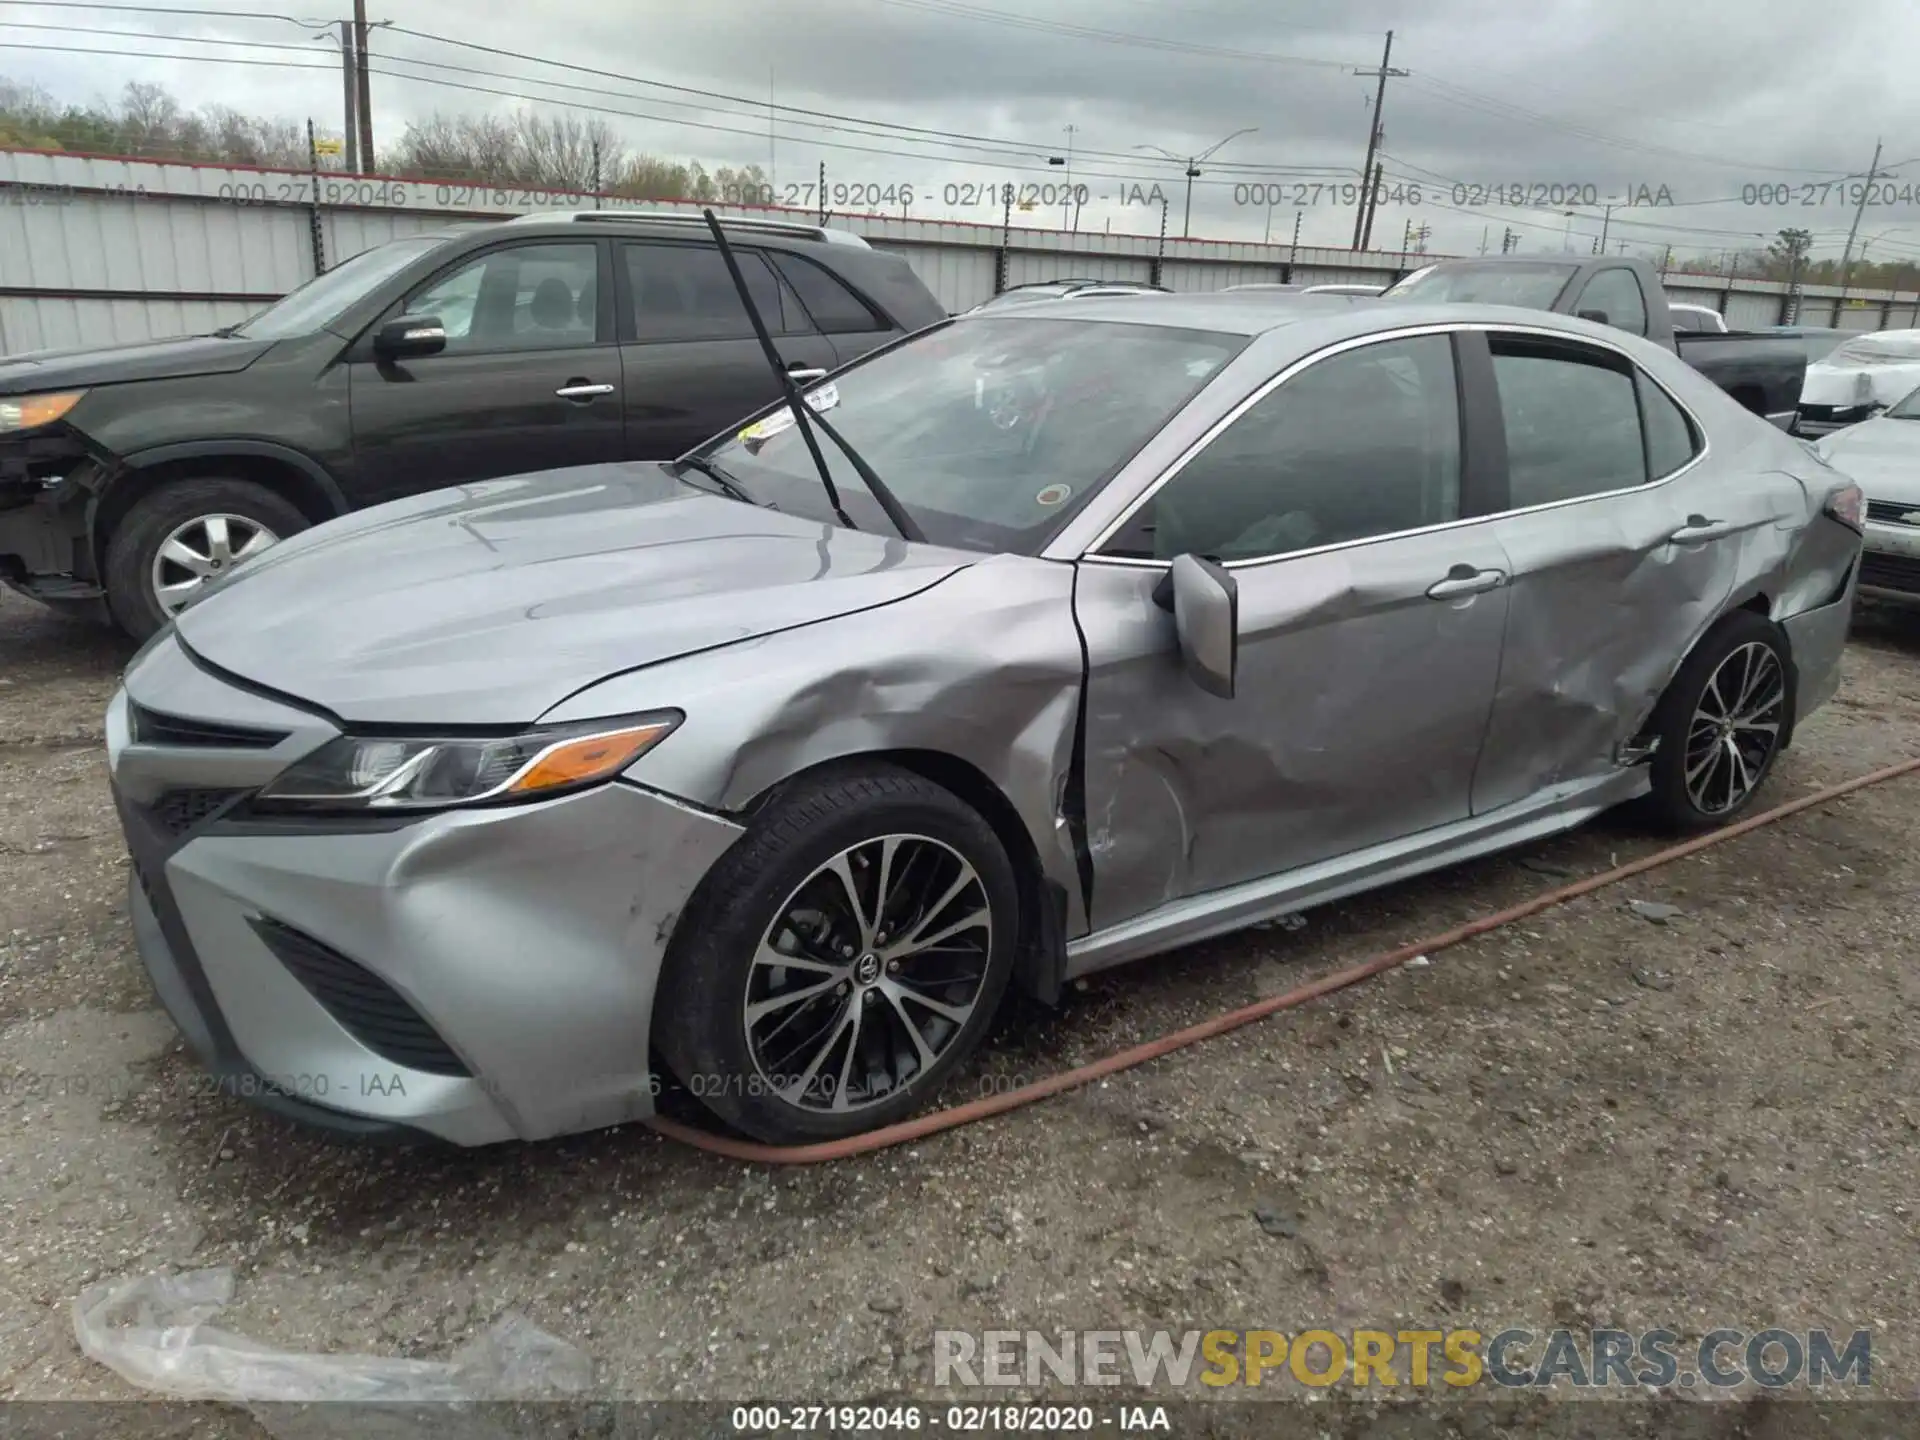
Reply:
x=1881, y=456
x=489, y=604
x=172, y=359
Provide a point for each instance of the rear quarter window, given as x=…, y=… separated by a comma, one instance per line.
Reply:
x=835, y=309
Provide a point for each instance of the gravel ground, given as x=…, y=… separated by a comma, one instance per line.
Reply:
x=1585, y=1119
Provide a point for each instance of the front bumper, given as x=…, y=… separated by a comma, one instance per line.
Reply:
x=475, y=975
x=1890, y=563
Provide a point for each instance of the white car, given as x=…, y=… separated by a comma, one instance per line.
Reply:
x=1701, y=318
x=1346, y=289
x=1859, y=379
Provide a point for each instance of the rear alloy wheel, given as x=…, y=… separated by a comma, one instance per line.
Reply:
x=182, y=537
x=841, y=959
x=1721, y=724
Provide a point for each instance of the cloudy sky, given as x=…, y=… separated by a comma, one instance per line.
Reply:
x=1726, y=120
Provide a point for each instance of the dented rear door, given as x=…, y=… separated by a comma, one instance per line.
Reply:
x=1614, y=574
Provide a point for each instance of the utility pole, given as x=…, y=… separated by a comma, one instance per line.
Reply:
x=350, y=97
x=1067, y=204
x=823, y=192
x=364, y=110
x=1666, y=261
x=1406, y=238
x=1363, y=218
x=1484, y=229
x=1296, y=229
x=1846, y=255
x=1366, y=235
x=596, y=172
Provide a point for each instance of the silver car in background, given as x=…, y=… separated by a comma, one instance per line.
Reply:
x=1882, y=456
x=470, y=813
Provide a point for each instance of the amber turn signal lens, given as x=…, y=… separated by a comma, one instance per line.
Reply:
x=591, y=757
x=28, y=412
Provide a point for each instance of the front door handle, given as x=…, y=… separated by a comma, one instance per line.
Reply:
x=1465, y=580
x=1698, y=530
x=805, y=373
x=579, y=389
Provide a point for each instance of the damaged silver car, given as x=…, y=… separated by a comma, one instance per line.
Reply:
x=1035, y=643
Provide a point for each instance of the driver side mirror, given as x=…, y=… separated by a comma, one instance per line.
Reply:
x=1598, y=317
x=1206, y=616
x=409, y=336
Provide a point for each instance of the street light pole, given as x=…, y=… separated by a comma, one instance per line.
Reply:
x=1193, y=171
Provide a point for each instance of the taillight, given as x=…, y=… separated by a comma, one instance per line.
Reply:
x=1848, y=505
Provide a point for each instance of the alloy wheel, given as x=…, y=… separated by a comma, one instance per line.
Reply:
x=868, y=973
x=201, y=550
x=1735, y=728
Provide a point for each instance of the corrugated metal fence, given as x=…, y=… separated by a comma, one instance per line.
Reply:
x=97, y=251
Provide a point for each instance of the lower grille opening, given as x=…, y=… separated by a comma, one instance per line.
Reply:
x=178, y=811
x=1890, y=572
x=368, y=1008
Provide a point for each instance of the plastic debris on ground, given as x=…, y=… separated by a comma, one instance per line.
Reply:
x=153, y=1332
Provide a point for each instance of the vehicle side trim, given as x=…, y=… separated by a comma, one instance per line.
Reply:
x=1155, y=485
x=1218, y=912
x=261, y=449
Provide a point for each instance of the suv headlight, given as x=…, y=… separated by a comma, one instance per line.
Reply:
x=369, y=772
x=29, y=412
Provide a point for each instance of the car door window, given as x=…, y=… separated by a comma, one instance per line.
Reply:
x=519, y=297
x=1616, y=294
x=834, y=308
x=1572, y=424
x=1671, y=439
x=1360, y=444
x=683, y=292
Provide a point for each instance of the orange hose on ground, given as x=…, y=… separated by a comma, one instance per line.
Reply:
x=932, y=1124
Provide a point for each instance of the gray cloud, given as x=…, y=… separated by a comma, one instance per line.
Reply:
x=1707, y=100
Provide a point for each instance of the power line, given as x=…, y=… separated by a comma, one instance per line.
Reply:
x=1000, y=160
x=1109, y=37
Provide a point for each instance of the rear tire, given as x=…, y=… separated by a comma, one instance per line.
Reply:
x=1715, y=746
x=239, y=510
x=865, y=1024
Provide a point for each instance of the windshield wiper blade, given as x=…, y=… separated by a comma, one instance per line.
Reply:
x=804, y=415
x=714, y=473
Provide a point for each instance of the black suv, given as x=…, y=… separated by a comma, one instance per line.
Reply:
x=132, y=475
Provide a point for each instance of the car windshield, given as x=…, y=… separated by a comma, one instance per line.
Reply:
x=1531, y=285
x=303, y=311
x=990, y=432
x=1906, y=409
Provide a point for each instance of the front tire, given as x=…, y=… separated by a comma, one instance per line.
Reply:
x=841, y=959
x=183, y=535
x=1721, y=724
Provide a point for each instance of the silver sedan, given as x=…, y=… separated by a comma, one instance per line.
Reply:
x=475, y=813
x=1883, y=456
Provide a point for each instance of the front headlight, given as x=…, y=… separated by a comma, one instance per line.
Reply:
x=365, y=772
x=29, y=412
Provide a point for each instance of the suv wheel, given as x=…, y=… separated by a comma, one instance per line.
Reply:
x=184, y=535
x=841, y=959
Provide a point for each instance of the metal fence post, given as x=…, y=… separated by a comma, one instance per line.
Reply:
x=313, y=208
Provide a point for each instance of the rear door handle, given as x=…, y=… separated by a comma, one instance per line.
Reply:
x=578, y=389
x=805, y=373
x=1698, y=530
x=1465, y=580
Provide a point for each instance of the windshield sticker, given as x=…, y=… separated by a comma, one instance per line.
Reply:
x=1053, y=495
x=1198, y=369
x=824, y=397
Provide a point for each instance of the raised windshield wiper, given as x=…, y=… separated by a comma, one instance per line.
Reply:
x=714, y=473
x=227, y=332
x=803, y=414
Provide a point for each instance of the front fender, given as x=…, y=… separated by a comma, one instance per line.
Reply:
x=985, y=667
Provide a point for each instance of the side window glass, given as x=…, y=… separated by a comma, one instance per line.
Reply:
x=683, y=292
x=1363, y=443
x=1572, y=424
x=524, y=297
x=1671, y=442
x=834, y=308
x=1615, y=294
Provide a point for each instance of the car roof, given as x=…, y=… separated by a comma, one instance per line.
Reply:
x=1234, y=312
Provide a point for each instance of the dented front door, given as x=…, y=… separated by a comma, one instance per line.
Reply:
x=1366, y=675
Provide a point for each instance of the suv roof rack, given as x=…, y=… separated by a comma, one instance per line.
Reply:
x=798, y=229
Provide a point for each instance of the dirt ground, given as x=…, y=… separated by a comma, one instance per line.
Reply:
x=1588, y=1119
